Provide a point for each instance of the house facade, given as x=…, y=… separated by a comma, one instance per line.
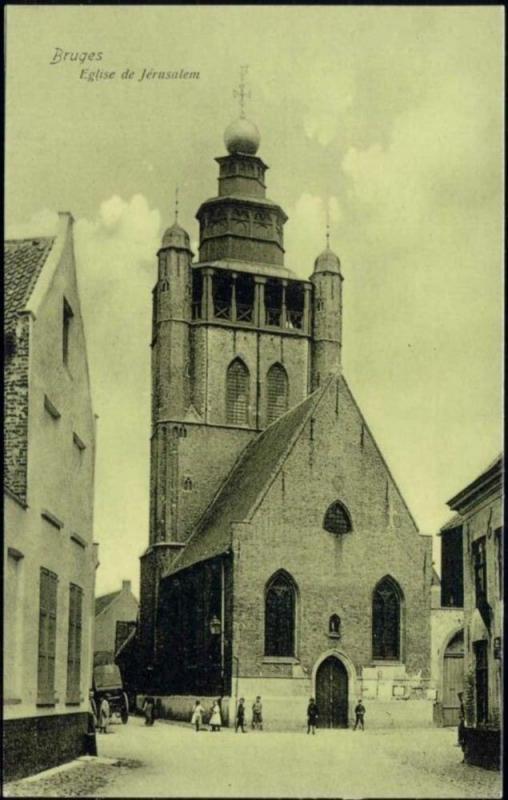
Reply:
x=49, y=554
x=115, y=619
x=283, y=560
x=480, y=506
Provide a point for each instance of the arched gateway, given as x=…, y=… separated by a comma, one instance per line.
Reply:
x=332, y=693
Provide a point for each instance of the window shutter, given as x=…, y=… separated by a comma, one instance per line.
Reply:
x=47, y=636
x=74, y=643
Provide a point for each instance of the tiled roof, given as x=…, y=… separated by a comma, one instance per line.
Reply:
x=103, y=602
x=23, y=262
x=236, y=499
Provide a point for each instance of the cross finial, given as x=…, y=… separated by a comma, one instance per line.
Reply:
x=241, y=92
x=328, y=228
x=176, y=204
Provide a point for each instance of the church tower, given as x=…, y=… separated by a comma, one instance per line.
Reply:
x=327, y=316
x=231, y=351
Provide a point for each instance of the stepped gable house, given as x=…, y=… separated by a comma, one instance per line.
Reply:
x=49, y=554
x=282, y=559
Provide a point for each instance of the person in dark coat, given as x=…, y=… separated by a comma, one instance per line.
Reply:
x=240, y=716
x=312, y=716
x=148, y=708
x=359, y=715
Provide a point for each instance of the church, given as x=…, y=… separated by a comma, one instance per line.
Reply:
x=282, y=559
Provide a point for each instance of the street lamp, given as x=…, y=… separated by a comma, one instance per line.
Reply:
x=215, y=626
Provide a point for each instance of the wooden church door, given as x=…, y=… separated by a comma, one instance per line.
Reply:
x=332, y=694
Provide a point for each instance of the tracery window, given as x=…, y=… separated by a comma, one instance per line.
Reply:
x=277, y=392
x=386, y=627
x=237, y=393
x=280, y=610
x=337, y=519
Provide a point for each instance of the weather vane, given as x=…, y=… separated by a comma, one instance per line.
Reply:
x=176, y=204
x=328, y=227
x=241, y=92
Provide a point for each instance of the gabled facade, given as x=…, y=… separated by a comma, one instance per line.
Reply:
x=49, y=554
x=116, y=614
x=282, y=559
x=480, y=506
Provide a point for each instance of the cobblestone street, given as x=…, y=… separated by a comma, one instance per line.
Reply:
x=171, y=760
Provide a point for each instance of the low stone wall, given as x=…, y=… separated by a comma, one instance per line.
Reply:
x=283, y=712
x=33, y=744
x=180, y=707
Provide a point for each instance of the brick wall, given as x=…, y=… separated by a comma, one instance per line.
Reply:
x=335, y=458
x=16, y=412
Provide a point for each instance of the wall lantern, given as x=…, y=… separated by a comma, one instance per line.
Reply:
x=215, y=626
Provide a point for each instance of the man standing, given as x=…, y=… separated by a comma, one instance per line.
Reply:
x=359, y=715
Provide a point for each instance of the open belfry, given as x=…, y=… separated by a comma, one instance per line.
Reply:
x=282, y=559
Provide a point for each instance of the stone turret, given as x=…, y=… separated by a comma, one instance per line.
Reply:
x=327, y=317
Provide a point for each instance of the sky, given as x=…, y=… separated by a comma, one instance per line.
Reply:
x=388, y=120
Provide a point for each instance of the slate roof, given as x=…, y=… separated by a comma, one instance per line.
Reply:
x=236, y=499
x=103, y=602
x=453, y=522
x=23, y=262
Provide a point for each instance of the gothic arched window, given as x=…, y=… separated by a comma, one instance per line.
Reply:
x=386, y=620
x=237, y=393
x=337, y=519
x=280, y=611
x=277, y=392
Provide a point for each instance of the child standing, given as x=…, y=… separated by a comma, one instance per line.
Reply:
x=240, y=716
x=197, y=715
x=215, y=719
x=257, y=714
x=359, y=715
x=312, y=716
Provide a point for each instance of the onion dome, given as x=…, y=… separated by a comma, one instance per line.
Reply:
x=175, y=236
x=242, y=136
x=327, y=261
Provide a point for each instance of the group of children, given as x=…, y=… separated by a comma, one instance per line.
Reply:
x=215, y=721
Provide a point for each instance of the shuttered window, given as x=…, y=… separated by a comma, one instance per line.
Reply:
x=74, y=644
x=47, y=637
x=277, y=391
x=237, y=393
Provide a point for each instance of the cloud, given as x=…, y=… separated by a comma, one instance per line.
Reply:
x=329, y=96
x=306, y=236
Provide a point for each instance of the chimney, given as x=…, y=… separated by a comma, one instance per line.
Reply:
x=126, y=586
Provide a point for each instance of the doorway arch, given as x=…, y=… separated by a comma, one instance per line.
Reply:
x=332, y=692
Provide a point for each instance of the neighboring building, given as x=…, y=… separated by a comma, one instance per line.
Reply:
x=447, y=626
x=282, y=559
x=49, y=555
x=115, y=619
x=481, y=520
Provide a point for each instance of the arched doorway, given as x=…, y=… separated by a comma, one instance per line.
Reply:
x=453, y=678
x=332, y=693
